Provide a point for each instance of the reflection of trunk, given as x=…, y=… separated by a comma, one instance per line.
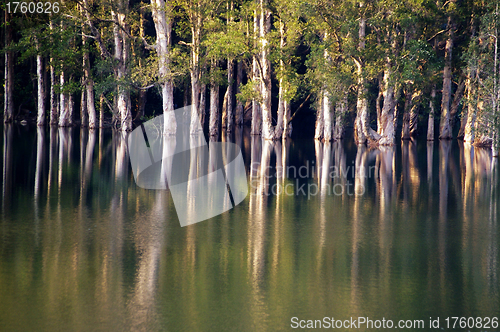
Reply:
x=9, y=73
x=214, y=103
x=239, y=104
x=265, y=29
x=432, y=112
x=7, y=166
x=163, y=26
x=445, y=126
x=40, y=138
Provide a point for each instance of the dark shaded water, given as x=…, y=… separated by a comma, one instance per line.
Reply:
x=83, y=248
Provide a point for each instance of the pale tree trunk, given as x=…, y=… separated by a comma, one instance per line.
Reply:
x=101, y=111
x=83, y=106
x=9, y=74
x=340, y=112
x=386, y=122
x=121, y=55
x=327, y=115
x=445, y=126
x=256, y=111
x=414, y=112
x=362, y=129
x=457, y=99
x=195, y=74
x=229, y=106
x=214, y=103
x=320, y=124
x=54, y=105
x=41, y=91
x=63, y=107
x=469, y=134
x=287, y=124
x=89, y=89
x=224, y=111
x=71, y=108
x=163, y=26
x=203, y=104
x=432, y=112
x=278, y=130
x=405, y=135
x=265, y=29
x=239, y=105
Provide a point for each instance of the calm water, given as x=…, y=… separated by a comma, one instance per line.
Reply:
x=83, y=248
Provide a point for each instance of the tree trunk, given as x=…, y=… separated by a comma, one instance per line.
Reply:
x=214, y=103
x=256, y=111
x=340, y=112
x=406, y=117
x=320, y=124
x=432, y=111
x=445, y=126
x=362, y=130
x=54, y=105
x=121, y=55
x=327, y=115
x=101, y=111
x=278, y=130
x=239, y=104
x=229, y=109
x=63, y=107
x=163, y=27
x=41, y=91
x=414, y=112
x=89, y=88
x=265, y=29
x=9, y=73
x=71, y=108
x=83, y=106
x=386, y=121
x=203, y=102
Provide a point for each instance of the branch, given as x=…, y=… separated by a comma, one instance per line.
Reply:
x=437, y=34
x=299, y=108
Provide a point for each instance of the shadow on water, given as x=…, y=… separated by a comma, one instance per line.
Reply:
x=327, y=230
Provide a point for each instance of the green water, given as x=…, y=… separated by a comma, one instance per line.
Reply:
x=82, y=248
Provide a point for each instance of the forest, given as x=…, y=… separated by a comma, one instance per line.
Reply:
x=383, y=70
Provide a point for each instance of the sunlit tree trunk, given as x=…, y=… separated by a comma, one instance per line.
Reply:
x=432, y=112
x=282, y=103
x=9, y=74
x=445, y=126
x=327, y=115
x=89, y=88
x=469, y=122
x=163, y=26
x=362, y=129
x=320, y=121
x=63, y=107
x=121, y=56
x=340, y=113
x=239, y=105
x=214, y=103
x=265, y=29
x=256, y=111
x=40, y=121
x=386, y=122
